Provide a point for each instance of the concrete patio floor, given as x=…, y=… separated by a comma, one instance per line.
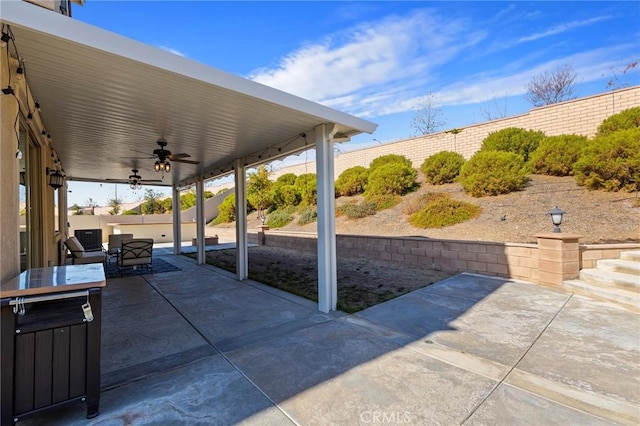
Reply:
x=196, y=347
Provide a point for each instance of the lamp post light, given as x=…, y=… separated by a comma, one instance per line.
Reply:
x=556, y=217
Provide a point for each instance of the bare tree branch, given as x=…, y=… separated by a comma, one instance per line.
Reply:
x=428, y=118
x=494, y=111
x=551, y=88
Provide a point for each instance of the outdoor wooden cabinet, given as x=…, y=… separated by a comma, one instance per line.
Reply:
x=50, y=347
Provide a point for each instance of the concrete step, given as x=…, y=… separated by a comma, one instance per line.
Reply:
x=611, y=279
x=627, y=299
x=629, y=267
x=630, y=255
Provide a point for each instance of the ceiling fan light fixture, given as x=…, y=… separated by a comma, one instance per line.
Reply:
x=167, y=166
x=157, y=166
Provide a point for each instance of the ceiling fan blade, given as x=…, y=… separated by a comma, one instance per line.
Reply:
x=149, y=180
x=173, y=157
x=138, y=151
x=177, y=160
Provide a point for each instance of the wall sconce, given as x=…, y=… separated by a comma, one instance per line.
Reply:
x=162, y=166
x=56, y=179
x=556, y=217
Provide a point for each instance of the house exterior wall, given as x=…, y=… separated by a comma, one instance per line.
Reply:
x=13, y=113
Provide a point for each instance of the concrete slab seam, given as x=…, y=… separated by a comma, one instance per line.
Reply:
x=474, y=409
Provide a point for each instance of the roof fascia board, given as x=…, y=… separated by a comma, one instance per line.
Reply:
x=27, y=15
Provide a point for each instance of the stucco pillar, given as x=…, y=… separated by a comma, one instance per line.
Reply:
x=558, y=258
x=177, y=222
x=327, y=269
x=242, y=252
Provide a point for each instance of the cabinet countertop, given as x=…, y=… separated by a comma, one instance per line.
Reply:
x=56, y=279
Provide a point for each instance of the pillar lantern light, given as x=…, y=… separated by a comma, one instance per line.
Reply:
x=556, y=217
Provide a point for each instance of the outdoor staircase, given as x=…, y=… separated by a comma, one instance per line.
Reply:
x=614, y=280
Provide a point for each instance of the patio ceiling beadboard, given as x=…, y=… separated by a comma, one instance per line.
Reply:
x=102, y=95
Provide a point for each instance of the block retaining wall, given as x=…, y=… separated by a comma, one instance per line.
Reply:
x=509, y=260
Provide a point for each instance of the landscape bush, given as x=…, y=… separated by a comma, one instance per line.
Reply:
x=305, y=186
x=440, y=210
x=416, y=204
x=383, y=201
x=611, y=162
x=442, y=167
x=493, y=173
x=627, y=119
x=284, y=195
x=226, y=210
x=356, y=210
x=307, y=215
x=352, y=181
x=556, y=155
x=513, y=139
x=391, y=179
x=278, y=219
x=383, y=160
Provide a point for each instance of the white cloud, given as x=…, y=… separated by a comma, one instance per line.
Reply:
x=559, y=29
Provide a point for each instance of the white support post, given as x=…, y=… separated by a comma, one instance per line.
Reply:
x=200, y=221
x=177, y=226
x=327, y=266
x=242, y=253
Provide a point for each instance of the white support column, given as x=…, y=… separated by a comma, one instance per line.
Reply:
x=177, y=226
x=327, y=267
x=242, y=253
x=200, y=221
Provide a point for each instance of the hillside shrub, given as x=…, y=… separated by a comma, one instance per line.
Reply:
x=352, y=181
x=627, y=119
x=383, y=201
x=307, y=215
x=442, y=211
x=383, y=160
x=305, y=186
x=286, y=179
x=126, y=212
x=442, y=167
x=611, y=162
x=493, y=173
x=278, y=219
x=418, y=203
x=226, y=210
x=556, y=155
x=513, y=139
x=356, y=210
x=391, y=179
x=284, y=195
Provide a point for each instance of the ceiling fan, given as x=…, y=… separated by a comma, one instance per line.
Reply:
x=163, y=157
x=136, y=180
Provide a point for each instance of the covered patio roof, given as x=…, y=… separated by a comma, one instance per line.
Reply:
x=102, y=95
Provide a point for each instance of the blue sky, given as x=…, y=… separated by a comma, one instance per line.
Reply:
x=378, y=59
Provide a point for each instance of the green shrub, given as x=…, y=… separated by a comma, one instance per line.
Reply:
x=513, y=139
x=627, y=119
x=556, y=155
x=126, y=212
x=356, y=210
x=226, y=210
x=611, y=162
x=307, y=215
x=383, y=160
x=278, y=219
x=418, y=203
x=442, y=167
x=442, y=211
x=352, y=181
x=493, y=173
x=306, y=187
x=383, y=201
x=286, y=179
x=391, y=179
x=285, y=195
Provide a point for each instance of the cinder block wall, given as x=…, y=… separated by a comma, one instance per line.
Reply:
x=579, y=116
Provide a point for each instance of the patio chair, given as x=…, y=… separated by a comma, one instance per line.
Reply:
x=115, y=244
x=79, y=256
x=136, y=252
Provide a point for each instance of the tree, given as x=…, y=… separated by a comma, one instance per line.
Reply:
x=551, y=88
x=259, y=190
x=493, y=110
x=152, y=203
x=92, y=205
x=428, y=118
x=115, y=204
x=620, y=77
